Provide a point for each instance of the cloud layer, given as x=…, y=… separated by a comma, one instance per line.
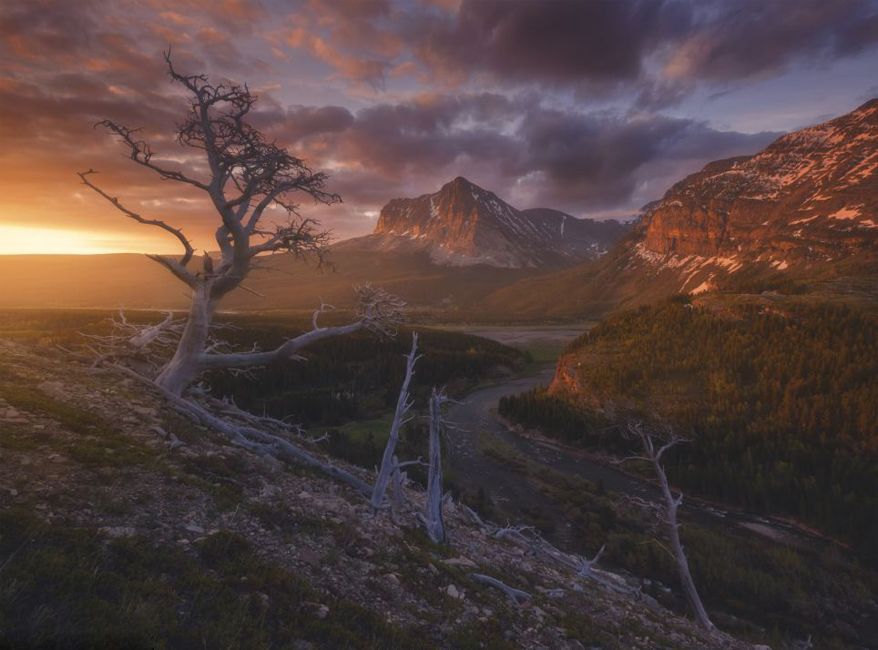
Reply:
x=580, y=106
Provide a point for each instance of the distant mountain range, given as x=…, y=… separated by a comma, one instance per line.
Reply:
x=440, y=251
x=801, y=216
x=465, y=225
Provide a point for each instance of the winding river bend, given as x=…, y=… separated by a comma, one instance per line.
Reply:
x=474, y=421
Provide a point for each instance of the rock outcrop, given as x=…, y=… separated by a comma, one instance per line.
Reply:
x=810, y=197
x=463, y=224
x=800, y=215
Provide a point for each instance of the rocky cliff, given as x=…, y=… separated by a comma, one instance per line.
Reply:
x=801, y=215
x=463, y=224
x=810, y=197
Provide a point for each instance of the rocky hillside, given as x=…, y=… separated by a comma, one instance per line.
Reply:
x=122, y=524
x=802, y=213
x=810, y=197
x=463, y=225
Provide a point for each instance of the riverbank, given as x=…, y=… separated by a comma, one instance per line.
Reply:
x=758, y=573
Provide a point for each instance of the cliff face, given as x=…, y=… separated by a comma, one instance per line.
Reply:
x=811, y=196
x=463, y=224
x=803, y=210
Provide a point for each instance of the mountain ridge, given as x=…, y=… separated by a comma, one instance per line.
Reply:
x=800, y=214
x=463, y=224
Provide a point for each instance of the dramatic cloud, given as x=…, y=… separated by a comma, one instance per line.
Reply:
x=590, y=107
x=735, y=40
x=581, y=161
x=660, y=49
x=559, y=41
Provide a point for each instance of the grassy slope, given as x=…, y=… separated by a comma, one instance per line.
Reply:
x=107, y=539
x=108, y=281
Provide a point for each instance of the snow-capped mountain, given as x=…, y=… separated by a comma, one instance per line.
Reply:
x=464, y=225
x=811, y=197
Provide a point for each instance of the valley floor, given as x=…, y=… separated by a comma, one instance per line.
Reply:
x=521, y=475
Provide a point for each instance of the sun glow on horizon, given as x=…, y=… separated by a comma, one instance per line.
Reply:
x=36, y=240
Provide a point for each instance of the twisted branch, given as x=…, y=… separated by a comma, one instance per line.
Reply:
x=188, y=250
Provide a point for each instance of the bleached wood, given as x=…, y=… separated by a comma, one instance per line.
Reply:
x=403, y=406
x=433, y=519
x=254, y=438
x=640, y=432
x=517, y=596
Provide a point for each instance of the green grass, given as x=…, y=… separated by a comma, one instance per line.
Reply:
x=376, y=429
x=542, y=352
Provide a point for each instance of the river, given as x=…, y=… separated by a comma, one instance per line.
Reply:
x=474, y=420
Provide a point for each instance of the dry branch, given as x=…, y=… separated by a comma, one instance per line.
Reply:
x=432, y=518
x=248, y=174
x=253, y=438
x=389, y=463
x=517, y=596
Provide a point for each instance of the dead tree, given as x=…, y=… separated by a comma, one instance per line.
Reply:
x=432, y=518
x=389, y=462
x=527, y=538
x=667, y=513
x=517, y=596
x=135, y=344
x=257, y=434
x=397, y=496
x=246, y=176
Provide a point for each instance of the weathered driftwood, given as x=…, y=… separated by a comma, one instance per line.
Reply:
x=254, y=438
x=433, y=520
x=397, y=494
x=527, y=538
x=389, y=461
x=517, y=596
x=585, y=565
x=170, y=439
x=139, y=345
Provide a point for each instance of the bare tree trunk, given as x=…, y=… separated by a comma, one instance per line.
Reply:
x=403, y=404
x=241, y=185
x=686, y=580
x=253, y=438
x=653, y=455
x=185, y=366
x=397, y=481
x=433, y=520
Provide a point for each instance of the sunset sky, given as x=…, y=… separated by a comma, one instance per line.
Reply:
x=591, y=107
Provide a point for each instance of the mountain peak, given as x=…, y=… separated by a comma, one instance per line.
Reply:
x=868, y=106
x=464, y=187
x=463, y=224
x=460, y=181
